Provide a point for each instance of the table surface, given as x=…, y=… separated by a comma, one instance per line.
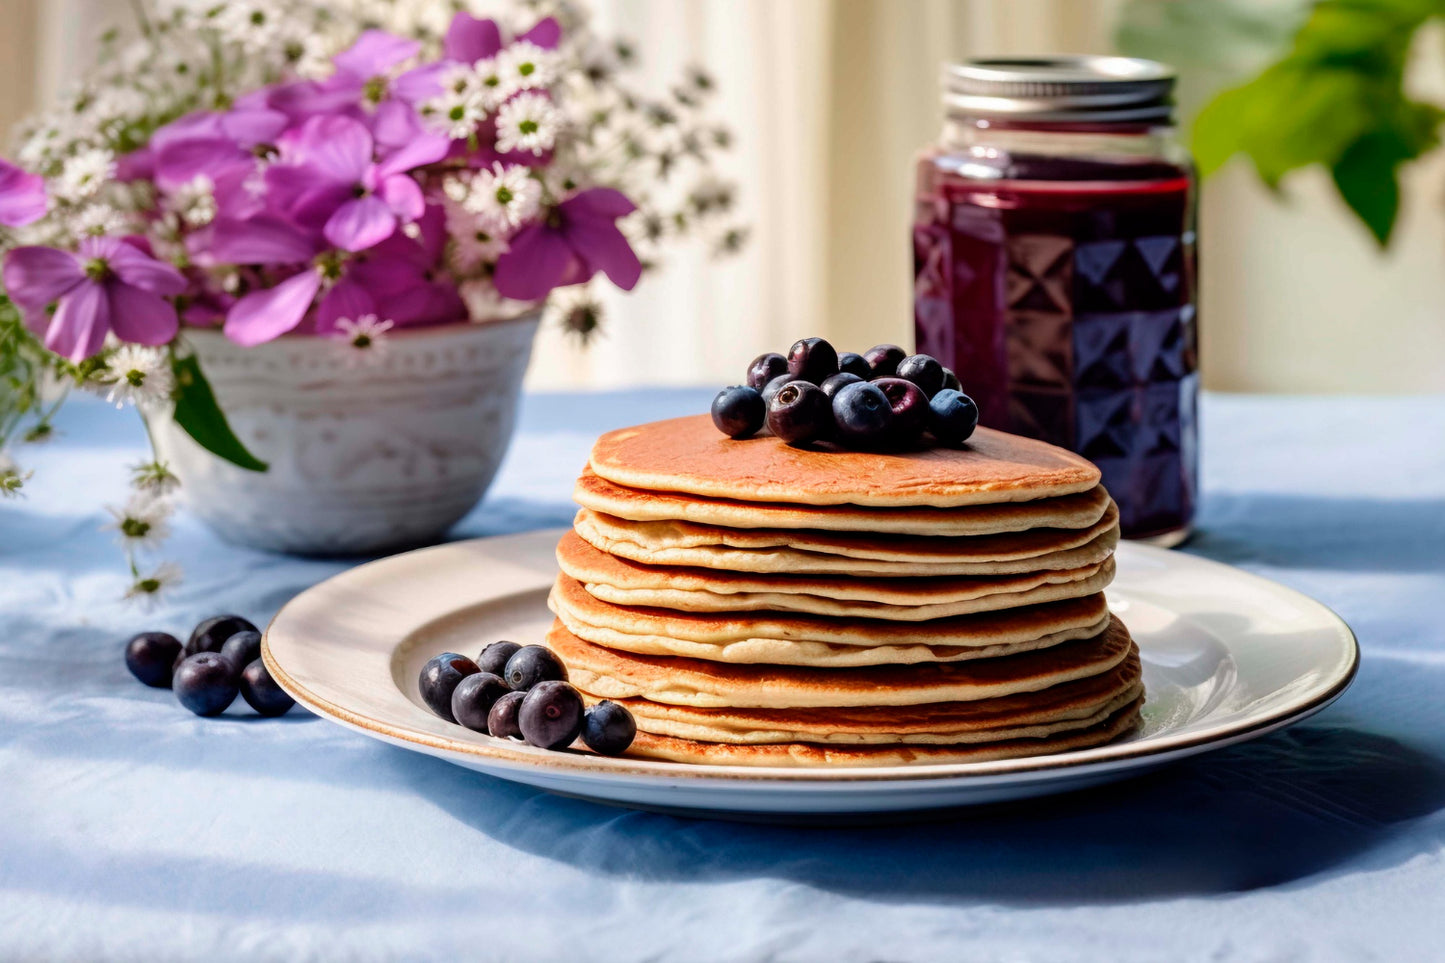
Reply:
x=130, y=829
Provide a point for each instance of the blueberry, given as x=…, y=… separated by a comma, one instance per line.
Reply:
x=924, y=371
x=910, y=409
x=855, y=364
x=952, y=417
x=474, y=697
x=494, y=657
x=261, y=691
x=773, y=387
x=838, y=382
x=765, y=368
x=152, y=657
x=502, y=720
x=608, y=728
x=551, y=715
x=439, y=679
x=864, y=415
x=812, y=359
x=532, y=664
x=205, y=683
x=739, y=411
x=800, y=413
x=950, y=380
x=211, y=634
x=242, y=649
x=883, y=359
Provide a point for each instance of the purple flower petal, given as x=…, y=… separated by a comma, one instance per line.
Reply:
x=309, y=98
x=266, y=315
x=425, y=303
x=36, y=276
x=546, y=34
x=387, y=275
x=374, y=53
x=470, y=39
x=537, y=261
x=605, y=249
x=337, y=148
x=141, y=317
x=403, y=195
x=599, y=202
x=78, y=328
x=420, y=149
x=139, y=270
x=249, y=126
x=260, y=240
x=346, y=299
x=22, y=196
x=360, y=223
x=138, y=165
x=183, y=161
x=418, y=84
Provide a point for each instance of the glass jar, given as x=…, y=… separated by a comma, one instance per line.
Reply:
x=1054, y=269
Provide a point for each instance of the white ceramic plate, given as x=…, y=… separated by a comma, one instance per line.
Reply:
x=1227, y=656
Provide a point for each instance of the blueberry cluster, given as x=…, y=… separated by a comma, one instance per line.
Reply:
x=221, y=658
x=521, y=692
x=884, y=398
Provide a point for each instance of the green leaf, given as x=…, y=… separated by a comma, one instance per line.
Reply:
x=201, y=417
x=1365, y=177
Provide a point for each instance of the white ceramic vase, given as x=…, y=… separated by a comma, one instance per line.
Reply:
x=368, y=452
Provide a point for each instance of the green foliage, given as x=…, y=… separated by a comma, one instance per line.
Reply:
x=199, y=416
x=1335, y=99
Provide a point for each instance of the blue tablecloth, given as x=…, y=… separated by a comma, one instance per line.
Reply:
x=130, y=829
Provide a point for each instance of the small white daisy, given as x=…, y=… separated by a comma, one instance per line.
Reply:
x=85, y=173
x=529, y=121
x=97, y=220
x=577, y=313
x=456, y=113
x=253, y=26
x=491, y=84
x=526, y=66
x=504, y=197
x=12, y=477
x=195, y=201
x=139, y=375
x=366, y=335
x=143, y=522
x=149, y=589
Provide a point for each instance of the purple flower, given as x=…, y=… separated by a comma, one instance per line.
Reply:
x=335, y=182
x=470, y=39
x=22, y=196
x=363, y=73
x=572, y=242
x=110, y=285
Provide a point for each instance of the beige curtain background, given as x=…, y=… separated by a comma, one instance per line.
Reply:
x=830, y=99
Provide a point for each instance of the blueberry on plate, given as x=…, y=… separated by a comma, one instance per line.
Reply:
x=211, y=634
x=439, y=679
x=152, y=658
x=852, y=363
x=739, y=411
x=533, y=664
x=551, y=715
x=261, y=691
x=473, y=698
x=864, y=415
x=800, y=413
x=502, y=720
x=838, y=382
x=494, y=657
x=765, y=368
x=773, y=387
x=205, y=683
x=950, y=380
x=952, y=417
x=883, y=360
x=812, y=359
x=608, y=728
x=242, y=649
x=910, y=409
x=924, y=371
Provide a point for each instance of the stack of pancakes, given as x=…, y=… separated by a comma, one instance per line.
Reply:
x=757, y=604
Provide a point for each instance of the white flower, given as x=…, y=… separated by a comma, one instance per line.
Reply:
x=456, y=112
x=97, y=220
x=504, y=197
x=84, y=174
x=139, y=375
x=148, y=589
x=12, y=477
x=577, y=313
x=144, y=521
x=473, y=244
x=252, y=25
x=490, y=82
x=526, y=66
x=529, y=121
x=366, y=335
x=195, y=201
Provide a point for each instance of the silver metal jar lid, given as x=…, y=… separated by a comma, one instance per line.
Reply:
x=1060, y=88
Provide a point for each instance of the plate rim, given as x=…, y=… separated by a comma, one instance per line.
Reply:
x=507, y=754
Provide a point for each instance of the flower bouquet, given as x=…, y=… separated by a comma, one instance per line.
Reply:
x=293, y=188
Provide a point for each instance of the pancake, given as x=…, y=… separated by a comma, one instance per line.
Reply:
x=775, y=638
x=691, y=456
x=1065, y=512
x=802, y=754
x=785, y=559
x=665, y=536
x=609, y=674
x=1034, y=715
x=623, y=582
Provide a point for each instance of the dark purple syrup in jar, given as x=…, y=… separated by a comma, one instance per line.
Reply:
x=1060, y=285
